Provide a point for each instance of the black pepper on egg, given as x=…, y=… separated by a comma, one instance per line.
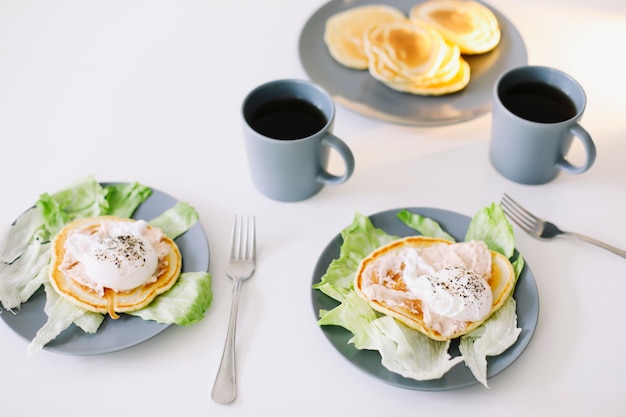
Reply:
x=121, y=247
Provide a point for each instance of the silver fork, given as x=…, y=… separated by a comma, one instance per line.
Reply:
x=543, y=229
x=241, y=264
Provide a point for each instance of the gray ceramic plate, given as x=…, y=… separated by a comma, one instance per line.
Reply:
x=127, y=331
x=360, y=92
x=459, y=376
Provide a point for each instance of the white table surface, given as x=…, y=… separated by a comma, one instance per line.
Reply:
x=150, y=91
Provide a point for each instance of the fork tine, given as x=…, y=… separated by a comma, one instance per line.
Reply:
x=237, y=242
x=251, y=253
x=249, y=239
x=243, y=239
x=517, y=214
x=515, y=219
x=513, y=209
x=515, y=205
x=234, y=239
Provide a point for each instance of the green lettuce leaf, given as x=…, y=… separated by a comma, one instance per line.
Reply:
x=355, y=315
x=491, y=226
x=412, y=354
x=183, y=304
x=494, y=336
x=21, y=278
x=359, y=239
x=84, y=198
x=123, y=199
x=61, y=314
x=17, y=237
x=176, y=220
x=424, y=225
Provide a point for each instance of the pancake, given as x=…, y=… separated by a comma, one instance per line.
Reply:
x=380, y=281
x=344, y=32
x=407, y=49
x=468, y=24
x=436, y=86
x=414, y=58
x=105, y=299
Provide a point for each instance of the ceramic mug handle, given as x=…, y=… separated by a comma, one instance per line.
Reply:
x=346, y=155
x=590, y=151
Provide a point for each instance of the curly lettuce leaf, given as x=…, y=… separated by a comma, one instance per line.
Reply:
x=359, y=239
x=123, y=199
x=61, y=314
x=21, y=278
x=494, y=336
x=16, y=237
x=84, y=198
x=176, y=220
x=184, y=304
x=424, y=225
x=355, y=315
x=412, y=354
x=492, y=227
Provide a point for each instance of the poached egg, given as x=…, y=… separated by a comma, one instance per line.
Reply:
x=118, y=255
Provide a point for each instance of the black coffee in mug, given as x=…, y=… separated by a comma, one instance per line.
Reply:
x=535, y=120
x=538, y=102
x=292, y=170
x=288, y=119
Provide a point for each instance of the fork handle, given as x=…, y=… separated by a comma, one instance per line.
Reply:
x=225, y=385
x=596, y=242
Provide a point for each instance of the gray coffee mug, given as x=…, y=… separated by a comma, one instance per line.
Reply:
x=536, y=115
x=288, y=147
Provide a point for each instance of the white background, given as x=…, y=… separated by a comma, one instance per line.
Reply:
x=150, y=91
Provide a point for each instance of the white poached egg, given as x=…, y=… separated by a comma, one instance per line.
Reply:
x=120, y=255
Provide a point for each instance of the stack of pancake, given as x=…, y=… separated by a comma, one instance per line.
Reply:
x=421, y=53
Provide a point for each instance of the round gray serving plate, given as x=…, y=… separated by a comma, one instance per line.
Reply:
x=127, y=331
x=358, y=91
x=526, y=296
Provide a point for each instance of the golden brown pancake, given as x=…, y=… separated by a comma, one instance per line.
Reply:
x=111, y=302
x=468, y=24
x=407, y=49
x=344, y=32
x=410, y=311
x=414, y=58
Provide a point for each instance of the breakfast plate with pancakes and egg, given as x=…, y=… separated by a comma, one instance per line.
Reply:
x=119, y=260
x=415, y=298
x=414, y=62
